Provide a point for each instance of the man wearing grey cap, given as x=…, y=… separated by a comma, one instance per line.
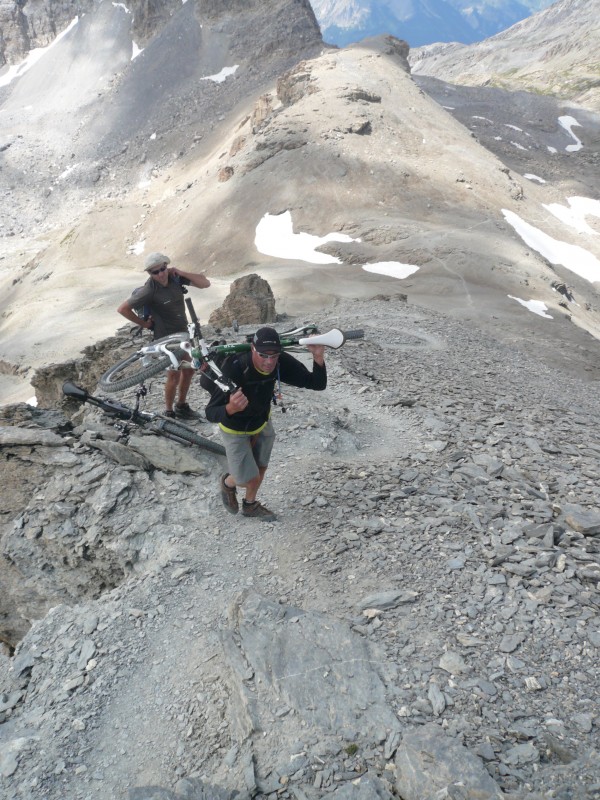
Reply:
x=162, y=297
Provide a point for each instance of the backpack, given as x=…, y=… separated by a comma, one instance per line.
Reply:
x=143, y=312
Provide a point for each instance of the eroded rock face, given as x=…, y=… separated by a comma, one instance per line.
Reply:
x=85, y=371
x=79, y=509
x=250, y=300
x=284, y=650
x=30, y=24
x=295, y=84
x=429, y=763
x=59, y=530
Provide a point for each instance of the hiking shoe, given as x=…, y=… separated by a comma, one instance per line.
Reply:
x=257, y=511
x=170, y=414
x=229, y=496
x=183, y=411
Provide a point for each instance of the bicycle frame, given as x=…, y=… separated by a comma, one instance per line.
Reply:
x=162, y=348
x=154, y=423
x=189, y=349
x=110, y=407
x=203, y=354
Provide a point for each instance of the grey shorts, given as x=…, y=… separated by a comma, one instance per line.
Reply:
x=245, y=454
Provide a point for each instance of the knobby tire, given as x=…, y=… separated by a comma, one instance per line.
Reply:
x=111, y=382
x=169, y=428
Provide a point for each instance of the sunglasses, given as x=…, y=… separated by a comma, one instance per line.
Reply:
x=159, y=270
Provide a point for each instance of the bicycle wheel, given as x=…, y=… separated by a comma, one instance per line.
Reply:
x=358, y=334
x=139, y=366
x=131, y=371
x=177, y=431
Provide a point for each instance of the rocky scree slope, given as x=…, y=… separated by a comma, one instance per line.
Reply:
x=430, y=586
x=93, y=118
x=28, y=25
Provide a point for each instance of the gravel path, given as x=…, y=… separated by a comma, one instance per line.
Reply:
x=438, y=507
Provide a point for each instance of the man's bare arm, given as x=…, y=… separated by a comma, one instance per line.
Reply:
x=197, y=279
x=126, y=311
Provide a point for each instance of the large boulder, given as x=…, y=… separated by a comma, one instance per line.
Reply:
x=250, y=301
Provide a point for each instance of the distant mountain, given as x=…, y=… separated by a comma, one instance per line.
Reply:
x=420, y=22
x=488, y=17
x=553, y=52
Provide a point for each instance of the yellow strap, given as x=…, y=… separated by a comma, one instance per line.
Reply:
x=241, y=433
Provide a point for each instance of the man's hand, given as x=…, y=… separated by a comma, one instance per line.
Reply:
x=197, y=279
x=237, y=402
x=318, y=353
x=126, y=311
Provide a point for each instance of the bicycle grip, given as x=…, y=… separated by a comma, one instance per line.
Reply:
x=192, y=311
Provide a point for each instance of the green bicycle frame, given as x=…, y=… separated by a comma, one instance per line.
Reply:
x=237, y=347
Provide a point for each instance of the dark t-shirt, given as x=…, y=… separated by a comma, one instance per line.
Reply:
x=165, y=304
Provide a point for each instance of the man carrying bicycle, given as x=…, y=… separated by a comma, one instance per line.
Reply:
x=162, y=298
x=244, y=415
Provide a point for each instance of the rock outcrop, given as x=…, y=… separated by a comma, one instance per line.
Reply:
x=250, y=301
x=28, y=24
x=87, y=369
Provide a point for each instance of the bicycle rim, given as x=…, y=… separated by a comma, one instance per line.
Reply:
x=178, y=431
x=131, y=371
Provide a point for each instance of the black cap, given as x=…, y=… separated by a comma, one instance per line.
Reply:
x=266, y=340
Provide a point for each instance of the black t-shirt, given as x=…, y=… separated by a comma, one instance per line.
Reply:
x=165, y=304
x=259, y=389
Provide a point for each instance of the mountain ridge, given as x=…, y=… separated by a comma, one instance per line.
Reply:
x=437, y=541
x=194, y=176
x=554, y=52
x=423, y=618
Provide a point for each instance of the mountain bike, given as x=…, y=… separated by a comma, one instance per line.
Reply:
x=125, y=417
x=173, y=352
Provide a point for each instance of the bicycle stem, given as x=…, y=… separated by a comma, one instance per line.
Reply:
x=194, y=327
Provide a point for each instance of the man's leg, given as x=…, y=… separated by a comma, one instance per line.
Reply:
x=171, y=388
x=245, y=455
x=185, y=380
x=241, y=462
x=182, y=409
x=253, y=486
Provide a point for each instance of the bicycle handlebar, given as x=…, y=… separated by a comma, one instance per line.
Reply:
x=75, y=392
